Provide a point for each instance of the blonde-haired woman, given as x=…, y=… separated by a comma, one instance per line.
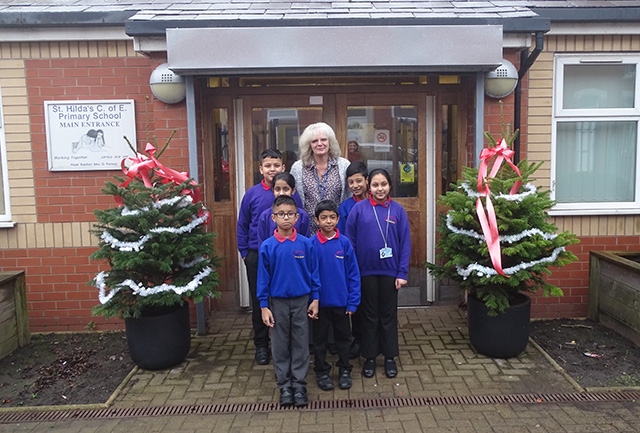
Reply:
x=320, y=173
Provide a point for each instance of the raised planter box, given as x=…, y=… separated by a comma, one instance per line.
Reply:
x=14, y=324
x=614, y=291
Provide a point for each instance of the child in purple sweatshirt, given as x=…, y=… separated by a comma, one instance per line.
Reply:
x=379, y=230
x=257, y=198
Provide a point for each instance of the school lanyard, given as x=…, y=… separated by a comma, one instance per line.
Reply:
x=386, y=232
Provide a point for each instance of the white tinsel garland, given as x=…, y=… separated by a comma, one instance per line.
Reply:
x=184, y=199
x=508, y=238
x=531, y=189
x=140, y=290
x=484, y=271
x=137, y=245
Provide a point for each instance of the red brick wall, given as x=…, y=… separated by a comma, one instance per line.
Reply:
x=72, y=196
x=57, y=292
x=574, y=278
x=58, y=298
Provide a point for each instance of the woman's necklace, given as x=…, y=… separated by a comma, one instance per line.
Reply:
x=322, y=169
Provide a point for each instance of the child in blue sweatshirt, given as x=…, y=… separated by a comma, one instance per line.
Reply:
x=339, y=295
x=288, y=290
x=257, y=198
x=283, y=184
x=379, y=230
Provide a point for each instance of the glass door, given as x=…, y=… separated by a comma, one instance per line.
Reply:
x=389, y=131
x=385, y=131
x=277, y=122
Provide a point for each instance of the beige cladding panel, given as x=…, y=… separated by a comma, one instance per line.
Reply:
x=540, y=118
x=28, y=233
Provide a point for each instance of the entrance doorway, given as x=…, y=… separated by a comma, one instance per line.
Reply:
x=418, y=132
x=391, y=131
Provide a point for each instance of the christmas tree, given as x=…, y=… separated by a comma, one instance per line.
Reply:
x=154, y=241
x=496, y=239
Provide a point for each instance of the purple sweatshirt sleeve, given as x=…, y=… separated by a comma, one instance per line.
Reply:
x=242, y=229
x=405, y=239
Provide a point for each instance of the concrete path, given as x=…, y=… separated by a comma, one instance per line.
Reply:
x=442, y=386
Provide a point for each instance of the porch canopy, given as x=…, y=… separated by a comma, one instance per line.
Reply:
x=334, y=50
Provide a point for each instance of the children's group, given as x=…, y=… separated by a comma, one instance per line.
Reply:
x=326, y=250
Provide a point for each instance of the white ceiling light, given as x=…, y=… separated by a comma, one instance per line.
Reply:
x=502, y=81
x=166, y=85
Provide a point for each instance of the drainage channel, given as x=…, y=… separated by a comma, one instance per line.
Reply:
x=212, y=409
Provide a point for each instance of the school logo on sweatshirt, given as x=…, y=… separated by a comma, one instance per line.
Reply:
x=298, y=254
x=339, y=254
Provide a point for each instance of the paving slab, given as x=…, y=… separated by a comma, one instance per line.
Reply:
x=442, y=385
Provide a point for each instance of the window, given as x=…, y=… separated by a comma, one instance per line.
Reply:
x=5, y=209
x=595, y=156
x=386, y=136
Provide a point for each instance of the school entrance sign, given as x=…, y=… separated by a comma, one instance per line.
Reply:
x=88, y=135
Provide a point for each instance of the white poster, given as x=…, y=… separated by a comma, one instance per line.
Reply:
x=89, y=135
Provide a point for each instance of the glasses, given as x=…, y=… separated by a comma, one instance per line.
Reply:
x=283, y=215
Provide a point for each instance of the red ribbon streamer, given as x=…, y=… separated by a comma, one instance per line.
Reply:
x=488, y=220
x=142, y=165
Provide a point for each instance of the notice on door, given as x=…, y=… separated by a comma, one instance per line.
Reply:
x=407, y=172
x=89, y=135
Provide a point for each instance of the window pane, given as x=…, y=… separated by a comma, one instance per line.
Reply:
x=387, y=137
x=599, y=86
x=279, y=128
x=596, y=162
x=2, y=207
x=220, y=138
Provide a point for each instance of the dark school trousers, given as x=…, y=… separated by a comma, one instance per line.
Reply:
x=379, y=316
x=328, y=318
x=290, y=340
x=260, y=330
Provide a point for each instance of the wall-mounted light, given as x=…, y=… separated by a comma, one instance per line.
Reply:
x=500, y=82
x=166, y=85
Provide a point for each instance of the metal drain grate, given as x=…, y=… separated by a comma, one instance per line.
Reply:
x=110, y=413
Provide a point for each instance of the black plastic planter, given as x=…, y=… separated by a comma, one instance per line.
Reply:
x=160, y=340
x=503, y=336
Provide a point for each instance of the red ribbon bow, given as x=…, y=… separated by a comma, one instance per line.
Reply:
x=142, y=165
x=488, y=220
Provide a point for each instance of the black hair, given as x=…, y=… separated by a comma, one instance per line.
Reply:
x=283, y=199
x=287, y=177
x=271, y=153
x=381, y=171
x=357, y=167
x=326, y=205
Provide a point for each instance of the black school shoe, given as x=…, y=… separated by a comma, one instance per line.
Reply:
x=300, y=397
x=369, y=368
x=390, y=368
x=344, y=381
x=286, y=396
x=324, y=382
x=262, y=356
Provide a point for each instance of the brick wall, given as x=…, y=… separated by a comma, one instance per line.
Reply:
x=72, y=196
x=53, y=211
x=573, y=279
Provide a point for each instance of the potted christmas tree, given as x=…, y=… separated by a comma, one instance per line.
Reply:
x=497, y=244
x=159, y=254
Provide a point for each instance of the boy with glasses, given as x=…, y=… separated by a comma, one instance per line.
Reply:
x=288, y=291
